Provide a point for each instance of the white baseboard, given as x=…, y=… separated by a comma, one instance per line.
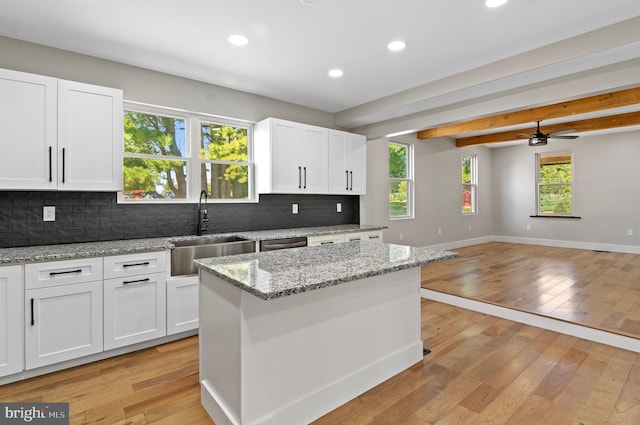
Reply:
x=544, y=322
x=594, y=246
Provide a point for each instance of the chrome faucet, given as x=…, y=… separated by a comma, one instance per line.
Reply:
x=203, y=219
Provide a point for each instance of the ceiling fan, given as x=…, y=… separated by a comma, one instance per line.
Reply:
x=539, y=138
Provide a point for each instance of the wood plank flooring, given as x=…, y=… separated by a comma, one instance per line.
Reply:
x=595, y=289
x=482, y=370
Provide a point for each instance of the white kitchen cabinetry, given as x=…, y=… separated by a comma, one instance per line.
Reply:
x=59, y=134
x=291, y=157
x=134, y=299
x=11, y=314
x=182, y=304
x=63, y=311
x=369, y=235
x=347, y=163
x=372, y=236
x=28, y=106
x=90, y=137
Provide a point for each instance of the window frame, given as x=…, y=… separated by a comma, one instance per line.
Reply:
x=193, y=122
x=539, y=185
x=472, y=185
x=409, y=179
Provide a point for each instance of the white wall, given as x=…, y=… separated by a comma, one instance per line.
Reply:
x=438, y=194
x=142, y=85
x=606, y=193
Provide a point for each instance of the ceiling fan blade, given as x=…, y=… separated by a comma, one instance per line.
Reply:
x=552, y=136
x=524, y=134
x=571, y=130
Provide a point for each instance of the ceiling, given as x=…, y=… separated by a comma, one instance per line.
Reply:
x=457, y=50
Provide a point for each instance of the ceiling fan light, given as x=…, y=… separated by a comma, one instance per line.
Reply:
x=537, y=141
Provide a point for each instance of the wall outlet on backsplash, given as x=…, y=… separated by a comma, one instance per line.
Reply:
x=294, y=208
x=48, y=213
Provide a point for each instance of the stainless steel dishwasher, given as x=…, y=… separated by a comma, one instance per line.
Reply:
x=273, y=244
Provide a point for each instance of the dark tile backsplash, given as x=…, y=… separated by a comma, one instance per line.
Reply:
x=96, y=216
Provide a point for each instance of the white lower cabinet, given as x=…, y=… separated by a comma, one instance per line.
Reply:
x=370, y=235
x=135, y=303
x=11, y=313
x=62, y=323
x=134, y=309
x=182, y=304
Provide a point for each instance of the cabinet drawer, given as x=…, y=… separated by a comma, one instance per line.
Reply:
x=119, y=266
x=42, y=275
x=324, y=240
x=374, y=236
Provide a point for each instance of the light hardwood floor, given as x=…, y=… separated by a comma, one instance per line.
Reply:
x=595, y=289
x=482, y=370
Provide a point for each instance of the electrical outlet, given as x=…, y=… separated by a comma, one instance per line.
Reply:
x=528, y=227
x=469, y=227
x=294, y=208
x=401, y=236
x=629, y=232
x=48, y=213
x=439, y=230
x=339, y=207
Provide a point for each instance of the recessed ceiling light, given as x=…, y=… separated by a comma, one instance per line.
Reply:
x=494, y=3
x=308, y=1
x=238, y=40
x=396, y=46
x=336, y=73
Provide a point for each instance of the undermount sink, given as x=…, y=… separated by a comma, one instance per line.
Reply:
x=186, y=251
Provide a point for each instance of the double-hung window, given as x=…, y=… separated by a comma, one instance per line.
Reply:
x=469, y=184
x=400, y=180
x=554, y=179
x=156, y=153
x=171, y=156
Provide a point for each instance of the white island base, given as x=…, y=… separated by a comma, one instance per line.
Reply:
x=293, y=359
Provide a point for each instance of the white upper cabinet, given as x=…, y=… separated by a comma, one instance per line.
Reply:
x=347, y=163
x=59, y=134
x=90, y=137
x=28, y=118
x=291, y=157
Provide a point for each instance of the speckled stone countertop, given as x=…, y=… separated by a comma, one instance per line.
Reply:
x=34, y=254
x=275, y=274
x=23, y=255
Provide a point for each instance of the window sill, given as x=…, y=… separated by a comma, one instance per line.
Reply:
x=554, y=216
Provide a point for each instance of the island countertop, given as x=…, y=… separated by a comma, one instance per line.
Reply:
x=274, y=274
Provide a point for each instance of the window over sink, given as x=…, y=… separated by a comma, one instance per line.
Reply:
x=172, y=155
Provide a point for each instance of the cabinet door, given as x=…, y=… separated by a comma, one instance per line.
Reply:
x=90, y=137
x=182, y=304
x=356, y=162
x=62, y=323
x=134, y=309
x=11, y=313
x=286, y=167
x=315, y=159
x=29, y=131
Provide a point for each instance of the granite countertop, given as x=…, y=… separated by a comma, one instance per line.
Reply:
x=274, y=274
x=23, y=255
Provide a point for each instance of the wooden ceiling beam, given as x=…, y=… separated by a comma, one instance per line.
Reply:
x=579, y=106
x=593, y=124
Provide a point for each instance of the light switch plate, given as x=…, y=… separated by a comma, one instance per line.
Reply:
x=48, y=213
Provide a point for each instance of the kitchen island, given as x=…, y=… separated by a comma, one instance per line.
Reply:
x=287, y=336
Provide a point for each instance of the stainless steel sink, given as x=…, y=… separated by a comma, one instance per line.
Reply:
x=185, y=252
